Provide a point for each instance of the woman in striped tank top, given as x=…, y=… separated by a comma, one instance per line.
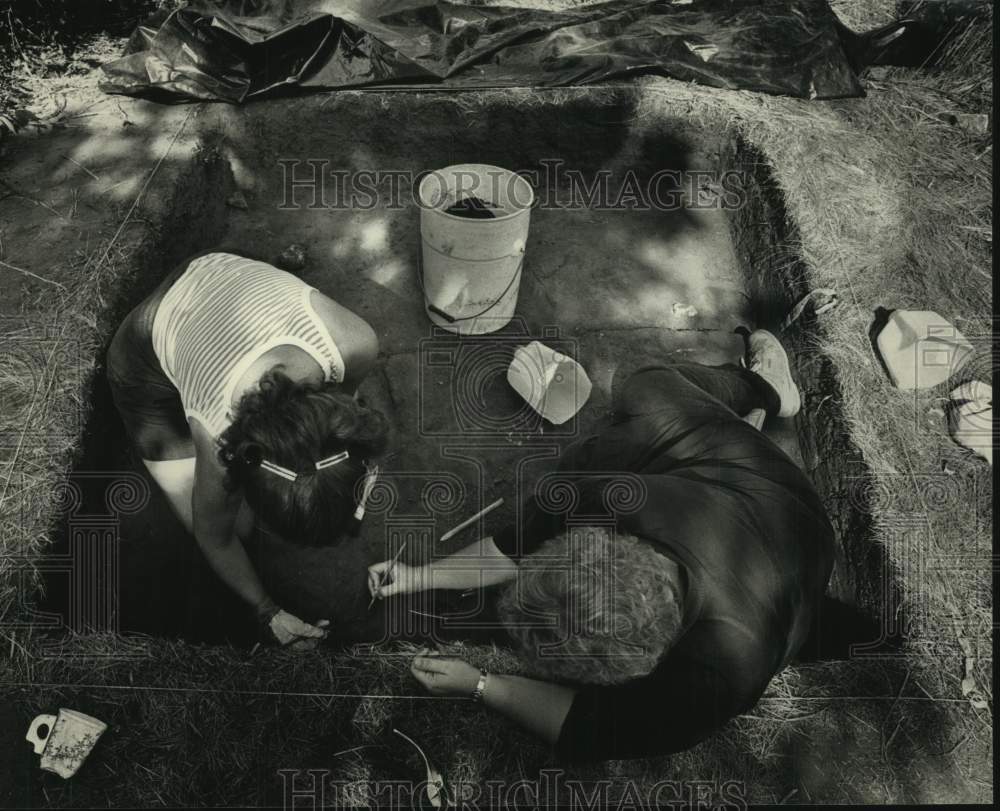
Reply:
x=235, y=382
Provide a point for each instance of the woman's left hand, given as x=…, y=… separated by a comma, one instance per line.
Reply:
x=444, y=675
x=291, y=632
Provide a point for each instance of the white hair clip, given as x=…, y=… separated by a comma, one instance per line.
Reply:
x=370, y=480
x=330, y=461
x=278, y=470
x=291, y=475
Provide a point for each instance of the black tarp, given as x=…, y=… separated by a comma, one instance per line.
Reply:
x=235, y=50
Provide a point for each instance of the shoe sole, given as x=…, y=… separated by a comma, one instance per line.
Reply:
x=788, y=382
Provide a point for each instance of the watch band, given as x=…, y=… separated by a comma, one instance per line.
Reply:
x=477, y=694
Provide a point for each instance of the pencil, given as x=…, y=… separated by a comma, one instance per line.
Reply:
x=469, y=521
x=388, y=572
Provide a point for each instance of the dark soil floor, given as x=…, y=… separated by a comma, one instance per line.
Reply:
x=599, y=285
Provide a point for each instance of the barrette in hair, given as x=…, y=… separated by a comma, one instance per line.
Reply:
x=330, y=461
x=291, y=475
x=370, y=480
x=278, y=470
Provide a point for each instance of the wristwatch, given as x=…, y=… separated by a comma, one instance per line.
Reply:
x=477, y=694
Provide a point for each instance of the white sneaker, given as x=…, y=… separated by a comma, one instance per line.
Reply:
x=767, y=358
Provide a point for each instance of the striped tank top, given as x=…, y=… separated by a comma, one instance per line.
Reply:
x=220, y=316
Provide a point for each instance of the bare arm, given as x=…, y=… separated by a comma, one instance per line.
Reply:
x=355, y=338
x=478, y=565
x=215, y=511
x=537, y=706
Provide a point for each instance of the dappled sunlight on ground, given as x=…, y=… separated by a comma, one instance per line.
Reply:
x=600, y=283
x=606, y=281
x=386, y=273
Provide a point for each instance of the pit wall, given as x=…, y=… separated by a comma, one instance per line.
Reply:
x=192, y=216
x=185, y=212
x=766, y=243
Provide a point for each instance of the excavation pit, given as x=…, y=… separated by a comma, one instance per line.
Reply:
x=642, y=249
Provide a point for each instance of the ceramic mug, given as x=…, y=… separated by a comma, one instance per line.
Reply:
x=70, y=737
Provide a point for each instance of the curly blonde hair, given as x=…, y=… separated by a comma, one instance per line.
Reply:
x=590, y=606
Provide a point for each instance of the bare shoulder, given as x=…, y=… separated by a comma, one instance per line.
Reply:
x=336, y=316
x=355, y=337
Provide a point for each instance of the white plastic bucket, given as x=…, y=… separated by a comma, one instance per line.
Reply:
x=471, y=268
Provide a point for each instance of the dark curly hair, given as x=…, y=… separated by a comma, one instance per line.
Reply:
x=294, y=425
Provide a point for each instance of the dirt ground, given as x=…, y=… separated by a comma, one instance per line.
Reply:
x=72, y=233
x=599, y=286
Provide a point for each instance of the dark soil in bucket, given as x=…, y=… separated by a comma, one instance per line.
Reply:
x=471, y=208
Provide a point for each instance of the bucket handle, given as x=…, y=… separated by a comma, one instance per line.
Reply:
x=451, y=319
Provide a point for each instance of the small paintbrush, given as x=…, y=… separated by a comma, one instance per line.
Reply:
x=370, y=479
x=386, y=574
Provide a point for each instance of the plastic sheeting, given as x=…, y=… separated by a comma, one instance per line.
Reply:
x=235, y=50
